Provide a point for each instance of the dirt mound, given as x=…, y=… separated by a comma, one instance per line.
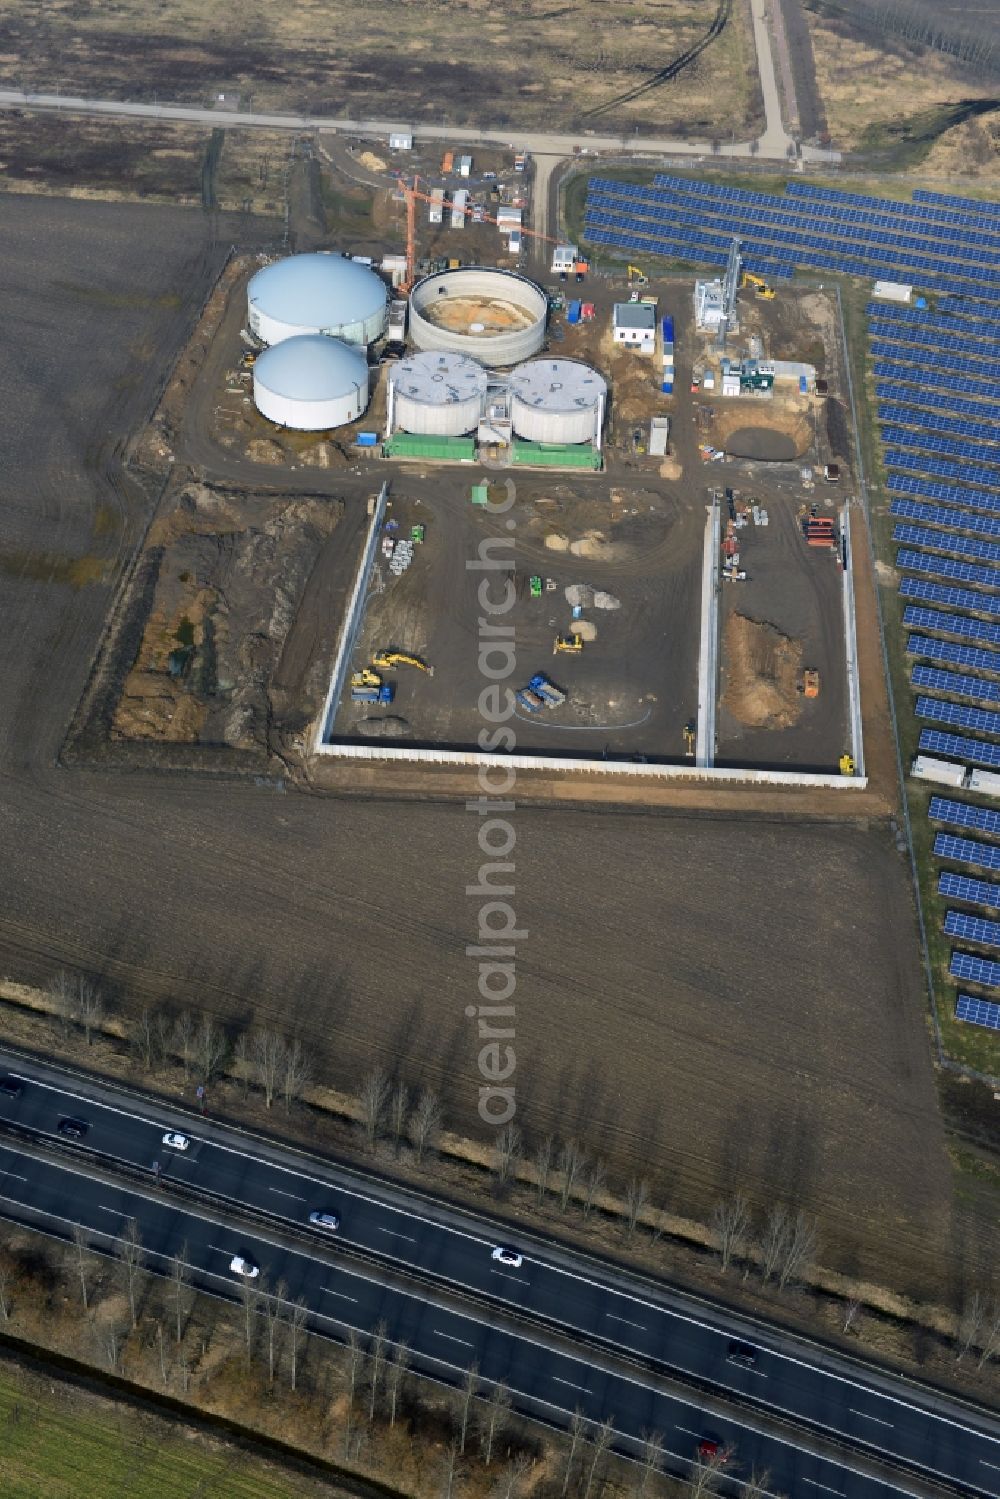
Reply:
x=594, y=545
x=371, y=161
x=604, y=600
x=671, y=468
x=583, y=628
x=762, y=443
x=762, y=673
x=263, y=450
x=557, y=542
x=580, y=593
x=389, y=727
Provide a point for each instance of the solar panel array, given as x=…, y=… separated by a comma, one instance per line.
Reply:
x=948, y=567
x=915, y=374
x=974, y=656
x=951, y=494
x=956, y=747
x=956, y=684
x=959, y=716
x=964, y=887
x=937, y=442
x=916, y=616
x=945, y=593
x=943, y=467
x=976, y=970
x=964, y=815
x=978, y=1012
x=937, y=421
x=972, y=928
x=936, y=515
x=965, y=546
x=966, y=851
x=932, y=395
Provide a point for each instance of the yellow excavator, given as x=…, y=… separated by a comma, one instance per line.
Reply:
x=637, y=275
x=388, y=660
x=689, y=738
x=366, y=678
x=847, y=766
x=764, y=291
x=567, y=643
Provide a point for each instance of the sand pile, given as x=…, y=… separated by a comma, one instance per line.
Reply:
x=761, y=674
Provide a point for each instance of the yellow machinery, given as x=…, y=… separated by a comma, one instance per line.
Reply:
x=637, y=276
x=387, y=660
x=847, y=766
x=567, y=643
x=366, y=678
x=758, y=282
x=810, y=683
x=689, y=738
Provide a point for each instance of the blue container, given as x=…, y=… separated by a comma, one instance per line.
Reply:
x=920, y=301
x=668, y=330
x=667, y=387
x=367, y=439
x=803, y=385
x=573, y=315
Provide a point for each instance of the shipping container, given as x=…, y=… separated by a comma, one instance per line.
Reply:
x=574, y=312
x=944, y=772
x=464, y=166
x=459, y=203
x=435, y=214
x=986, y=781
x=367, y=439
x=668, y=330
x=892, y=291
x=447, y=161
x=667, y=387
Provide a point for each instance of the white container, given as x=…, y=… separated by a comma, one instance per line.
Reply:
x=944, y=772
x=892, y=291
x=557, y=400
x=986, y=781
x=438, y=394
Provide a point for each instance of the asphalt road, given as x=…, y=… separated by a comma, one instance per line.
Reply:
x=571, y=1294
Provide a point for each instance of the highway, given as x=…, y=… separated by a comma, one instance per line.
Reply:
x=445, y=1254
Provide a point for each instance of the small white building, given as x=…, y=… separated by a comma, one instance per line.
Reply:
x=634, y=325
x=400, y=140
x=564, y=258
x=435, y=214
x=709, y=303
x=509, y=219
x=465, y=166
x=459, y=205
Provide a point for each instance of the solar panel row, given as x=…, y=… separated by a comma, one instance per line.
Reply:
x=945, y=593
x=976, y=657
x=912, y=374
x=964, y=815
x=977, y=206
x=937, y=515
x=955, y=747
x=966, y=851
x=934, y=442
x=978, y=1012
x=917, y=208
x=938, y=400
x=937, y=421
x=951, y=494
x=963, y=887
x=897, y=343
x=975, y=970
x=923, y=318
x=944, y=468
x=956, y=684
x=948, y=567
x=967, y=546
x=960, y=716
x=972, y=928
x=915, y=616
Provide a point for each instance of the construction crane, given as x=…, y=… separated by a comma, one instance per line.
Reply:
x=387, y=660
x=763, y=290
x=413, y=196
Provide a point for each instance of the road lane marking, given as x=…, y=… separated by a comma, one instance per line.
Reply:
x=990, y=1465
x=394, y=1233
x=640, y=1325
x=464, y=1341
x=342, y=1295
x=866, y=1417
x=102, y=1209
x=288, y=1194
x=13, y=1176
x=825, y=1486
x=569, y=1382
x=519, y=1278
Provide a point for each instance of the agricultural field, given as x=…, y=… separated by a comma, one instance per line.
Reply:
x=534, y=64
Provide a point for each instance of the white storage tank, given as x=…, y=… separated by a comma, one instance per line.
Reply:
x=440, y=394
x=317, y=293
x=311, y=383
x=557, y=400
x=496, y=317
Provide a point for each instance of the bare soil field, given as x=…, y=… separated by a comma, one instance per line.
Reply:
x=532, y=64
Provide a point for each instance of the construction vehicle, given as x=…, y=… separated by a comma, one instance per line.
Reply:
x=530, y=700
x=551, y=695
x=389, y=660
x=847, y=765
x=831, y=473
x=249, y=359
x=636, y=276
x=689, y=738
x=382, y=694
x=809, y=686
x=418, y=533
x=536, y=587
x=366, y=678
x=570, y=643
x=763, y=290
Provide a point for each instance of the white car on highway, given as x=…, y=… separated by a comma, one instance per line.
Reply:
x=506, y=1256
x=173, y=1141
x=240, y=1266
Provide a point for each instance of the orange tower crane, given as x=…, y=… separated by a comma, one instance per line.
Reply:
x=413, y=196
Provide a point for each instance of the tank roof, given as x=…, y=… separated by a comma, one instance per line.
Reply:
x=557, y=384
x=311, y=367
x=317, y=291
x=439, y=379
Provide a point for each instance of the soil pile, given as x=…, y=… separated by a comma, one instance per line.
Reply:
x=762, y=674
x=762, y=443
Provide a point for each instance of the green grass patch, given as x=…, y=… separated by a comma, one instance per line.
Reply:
x=900, y=144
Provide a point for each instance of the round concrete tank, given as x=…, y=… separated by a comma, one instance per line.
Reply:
x=311, y=383
x=496, y=317
x=316, y=293
x=557, y=400
x=440, y=394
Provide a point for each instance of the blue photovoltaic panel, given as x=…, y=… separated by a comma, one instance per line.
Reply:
x=978, y=1012
x=944, y=468
x=951, y=520
x=972, y=751
x=944, y=593
x=921, y=322
x=966, y=851
x=974, y=205
x=948, y=567
x=929, y=380
x=956, y=684
x=964, y=887
x=938, y=442
x=951, y=494
x=937, y=421
x=972, y=929
x=942, y=400
x=964, y=815
x=973, y=656
x=915, y=615
x=966, y=546
x=973, y=969
x=919, y=341
x=978, y=720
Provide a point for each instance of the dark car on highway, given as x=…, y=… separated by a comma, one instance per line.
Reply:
x=73, y=1129
x=11, y=1087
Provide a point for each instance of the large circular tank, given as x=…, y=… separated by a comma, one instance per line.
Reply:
x=437, y=393
x=557, y=400
x=316, y=294
x=311, y=383
x=496, y=317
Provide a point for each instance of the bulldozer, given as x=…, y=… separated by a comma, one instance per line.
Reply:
x=366, y=678
x=388, y=660
x=764, y=291
x=809, y=685
x=567, y=643
x=847, y=766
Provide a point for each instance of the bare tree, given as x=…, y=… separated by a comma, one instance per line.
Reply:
x=162, y=1350
x=990, y=1339
x=376, y=1358
x=517, y=1468
x=506, y=1152
x=394, y=1376
x=296, y=1313
x=651, y=1460
x=577, y=1434
x=571, y=1162
x=852, y=1315
x=636, y=1198
x=61, y=994
x=467, y=1393
x=145, y=1036
x=758, y=1485
x=180, y=1289
x=82, y=1259
x=799, y=1248
x=970, y=1324
x=5, y=1279
x=425, y=1125
x=128, y=1248
x=706, y=1473
x=354, y=1359
x=774, y=1240
x=374, y=1097
x=399, y=1104
x=596, y=1178
x=544, y=1153
x=267, y=1059
x=730, y=1220
x=296, y=1073
x=211, y=1045
x=183, y=1039
x=274, y=1308
x=601, y=1441
x=494, y=1421
x=449, y=1464
x=112, y=1340
x=250, y=1294
x=243, y=1062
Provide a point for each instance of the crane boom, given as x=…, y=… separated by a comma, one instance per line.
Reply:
x=413, y=196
